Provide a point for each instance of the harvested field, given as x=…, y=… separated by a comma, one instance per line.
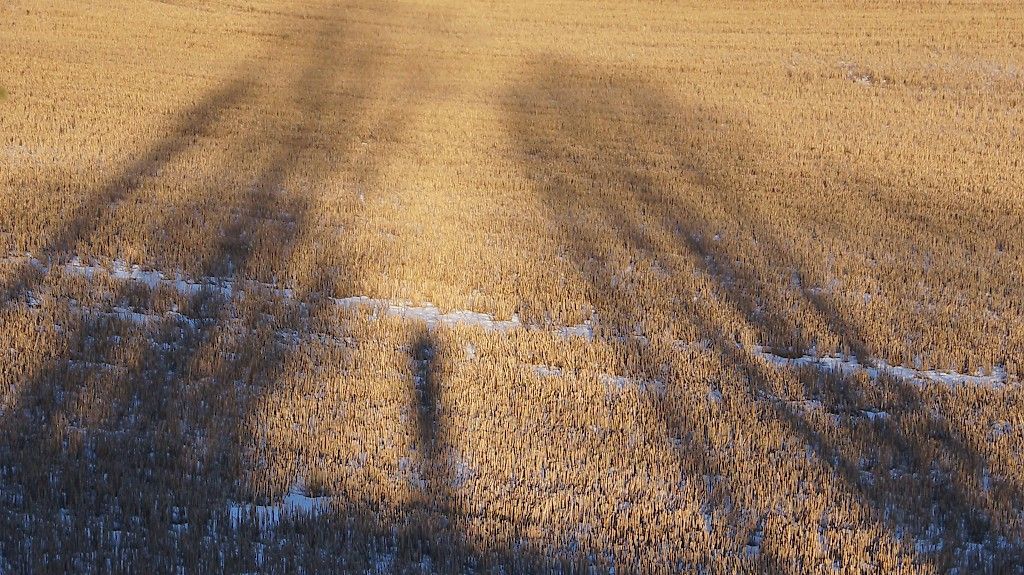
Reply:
x=539, y=287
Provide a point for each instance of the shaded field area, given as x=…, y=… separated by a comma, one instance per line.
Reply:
x=447, y=287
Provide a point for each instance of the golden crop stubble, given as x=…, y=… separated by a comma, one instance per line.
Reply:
x=816, y=169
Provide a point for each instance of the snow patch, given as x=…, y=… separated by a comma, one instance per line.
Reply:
x=851, y=365
x=432, y=316
x=874, y=414
x=426, y=313
x=295, y=503
x=616, y=383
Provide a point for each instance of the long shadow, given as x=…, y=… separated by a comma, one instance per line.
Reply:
x=28, y=427
x=428, y=534
x=434, y=537
x=167, y=449
x=431, y=514
x=300, y=540
x=612, y=157
x=168, y=431
x=189, y=125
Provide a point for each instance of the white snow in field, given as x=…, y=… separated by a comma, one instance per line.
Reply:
x=294, y=503
x=617, y=383
x=384, y=563
x=1001, y=428
x=140, y=318
x=874, y=414
x=583, y=330
x=152, y=279
x=426, y=313
x=433, y=316
x=135, y=317
x=462, y=472
x=90, y=365
x=850, y=365
x=547, y=371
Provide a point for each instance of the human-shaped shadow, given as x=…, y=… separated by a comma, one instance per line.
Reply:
x=177, y=419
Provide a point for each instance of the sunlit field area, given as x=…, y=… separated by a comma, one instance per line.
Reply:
x=420, y=286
